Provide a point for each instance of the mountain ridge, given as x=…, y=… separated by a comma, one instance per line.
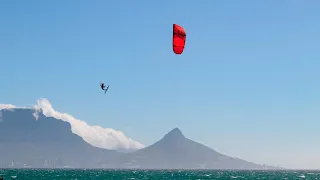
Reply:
x=32, y=140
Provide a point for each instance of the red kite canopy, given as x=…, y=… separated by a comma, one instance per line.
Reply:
x=179, y=39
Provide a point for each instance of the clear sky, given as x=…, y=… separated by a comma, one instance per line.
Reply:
x=246, y=85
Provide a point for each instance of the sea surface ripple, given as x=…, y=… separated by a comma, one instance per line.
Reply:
x=96, y=174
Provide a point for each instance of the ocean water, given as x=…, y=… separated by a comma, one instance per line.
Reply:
x=51, y=174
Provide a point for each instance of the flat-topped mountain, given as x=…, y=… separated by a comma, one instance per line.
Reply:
x=25, y=141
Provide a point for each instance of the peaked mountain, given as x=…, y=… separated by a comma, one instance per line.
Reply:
x=25, y=141
x=175, y=151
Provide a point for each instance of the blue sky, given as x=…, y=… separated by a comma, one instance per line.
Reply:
x=246, y=85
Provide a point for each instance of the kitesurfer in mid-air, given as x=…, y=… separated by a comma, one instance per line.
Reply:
x=103, y=87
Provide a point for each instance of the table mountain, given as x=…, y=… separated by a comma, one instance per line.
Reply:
x=25, y=141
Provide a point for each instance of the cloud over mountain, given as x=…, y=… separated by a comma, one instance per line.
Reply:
x=95, y=135
x=6, y=106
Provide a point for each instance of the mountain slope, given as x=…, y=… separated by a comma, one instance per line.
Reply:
x=175, y=151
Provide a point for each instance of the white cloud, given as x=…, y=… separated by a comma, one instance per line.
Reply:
x=95, y=135
x=7, y=106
